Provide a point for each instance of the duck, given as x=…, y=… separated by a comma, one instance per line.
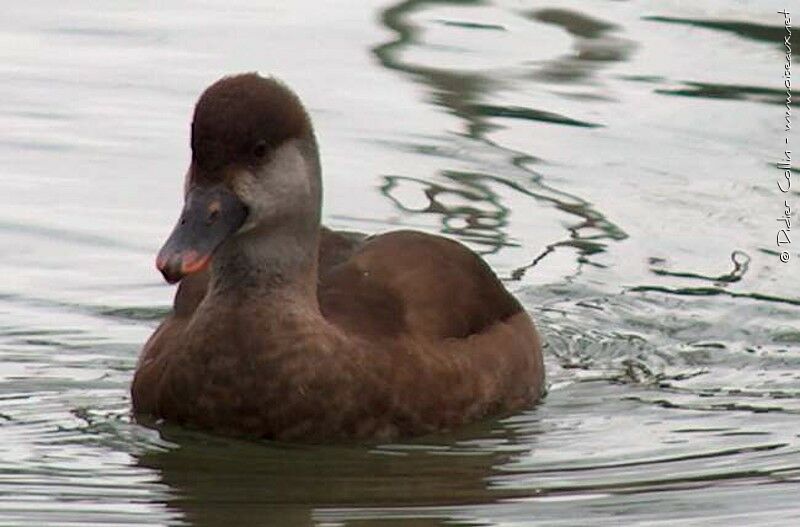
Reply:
x=283, y=329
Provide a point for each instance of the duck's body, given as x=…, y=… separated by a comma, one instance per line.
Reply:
x=301, y=333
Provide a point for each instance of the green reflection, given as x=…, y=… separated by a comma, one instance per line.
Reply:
x=480, y=217
x=748, y=30
x=730, y=92
x=530, y=114
x=575, y=23
x=714, y=291
x=483, y=226
x=595, y=45
x=741, y=263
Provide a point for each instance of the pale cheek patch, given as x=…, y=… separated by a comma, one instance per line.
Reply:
x=279, y=188
x=243, y=186
x=289, y=176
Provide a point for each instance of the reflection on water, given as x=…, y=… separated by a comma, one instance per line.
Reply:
x=594, y=44
x=720, y=91
x=771, y=34
x=266, y=486
x=462, y=94
x=611, y=160
x=740, y=261
x=479, y=218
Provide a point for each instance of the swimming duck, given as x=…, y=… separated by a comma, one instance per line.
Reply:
x=286, y=330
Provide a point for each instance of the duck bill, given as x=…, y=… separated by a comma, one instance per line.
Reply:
x=210, y=216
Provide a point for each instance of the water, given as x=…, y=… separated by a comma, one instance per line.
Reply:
x=613, y=161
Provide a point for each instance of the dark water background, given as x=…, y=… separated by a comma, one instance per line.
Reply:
x=614, y=162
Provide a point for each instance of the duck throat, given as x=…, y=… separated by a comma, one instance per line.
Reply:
x=276, y=251
x=278, y=263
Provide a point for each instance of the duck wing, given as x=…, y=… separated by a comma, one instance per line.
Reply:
x=409, y=282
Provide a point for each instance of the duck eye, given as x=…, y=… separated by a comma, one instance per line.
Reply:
x=260, y=150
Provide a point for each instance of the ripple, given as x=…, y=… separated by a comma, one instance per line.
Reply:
x=731, y=92
x=758, y=32
x=596, y=157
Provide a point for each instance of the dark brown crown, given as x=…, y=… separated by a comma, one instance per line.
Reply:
x=236, y=114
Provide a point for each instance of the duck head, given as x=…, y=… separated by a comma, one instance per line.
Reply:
x=254, y=174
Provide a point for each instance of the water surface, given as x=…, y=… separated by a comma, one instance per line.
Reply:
x=613, y=161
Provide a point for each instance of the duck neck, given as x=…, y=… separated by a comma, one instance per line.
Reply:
x=275, y=266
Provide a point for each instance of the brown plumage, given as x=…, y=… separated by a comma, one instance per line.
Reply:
x=296, y=332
